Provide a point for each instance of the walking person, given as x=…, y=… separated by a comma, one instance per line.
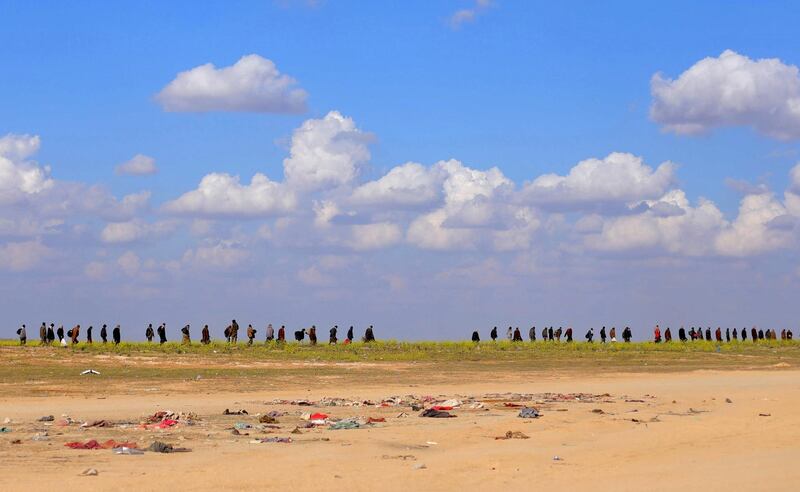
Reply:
x=23, y=335
x=187, y=339
x=116, y=334
x=270, y=333
x=251, y=334
x=205, y=335
x=332, y=335
x=103, y=334
x=162, y=333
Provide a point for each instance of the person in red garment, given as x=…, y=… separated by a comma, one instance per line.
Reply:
x=657, y=334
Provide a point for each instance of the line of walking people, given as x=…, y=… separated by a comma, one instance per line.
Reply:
x=549, y=334
x=728, y=335
x=48, y=334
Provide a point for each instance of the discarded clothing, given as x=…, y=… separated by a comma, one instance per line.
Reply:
x=242, y=425
x=436, y=414
x=93, y=444
x=285, y=440
x=236, y=412
x=47, y=418
x=512, y=435
x=97, y=423
x=267, y=419
x=529, y=413
x=162, y=447
x=126, y=450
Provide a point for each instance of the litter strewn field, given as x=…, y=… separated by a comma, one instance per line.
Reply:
x=238, y=424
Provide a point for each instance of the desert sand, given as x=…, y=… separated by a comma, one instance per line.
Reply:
x=689, y=430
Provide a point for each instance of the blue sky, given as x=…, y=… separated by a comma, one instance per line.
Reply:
x=531, y=88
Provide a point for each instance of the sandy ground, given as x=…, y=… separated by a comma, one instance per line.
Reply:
x=699, y=430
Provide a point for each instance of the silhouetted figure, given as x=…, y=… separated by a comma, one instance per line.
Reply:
x=332, y=335
x=569, y=334
x=312, y=335
x=475, y=336
x=234, y=332
x=627, y=334
x=251, y=334
x=754, y=334
x=783, y=334
x=744, y=334
x=74, y=332
x=60, y=332
x=369, y=336
x=681, y=334
x=205, y=335
x=667, y=335
x=517, y=335
x=788, y=334
x=735, y=334
x=43, y=334
x=104, y=334
x=23, y=335
x=708, y=334
x=187, y=338
x=603, y=335
x=51, y=336
x=718, y=334
x=760, y=334
x=550, y=333
x=350, y=334
x=727, y=334
x=532, y=334
x=544, y=334
x=590, y=335
x=116, y=334
x=162, y=333
x=493, y=334
x=300, y=335
x=282, y=334
x=89, y=334
x=558, y=334
x=270, y=333
x=148, y=333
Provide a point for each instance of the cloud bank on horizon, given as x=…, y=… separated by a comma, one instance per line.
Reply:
x=324, y=227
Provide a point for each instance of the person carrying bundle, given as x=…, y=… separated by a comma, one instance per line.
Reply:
x=187, y=339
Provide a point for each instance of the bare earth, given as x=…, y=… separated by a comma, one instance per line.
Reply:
x=728, y=429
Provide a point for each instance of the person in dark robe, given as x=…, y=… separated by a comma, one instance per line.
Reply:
x=270, y=333
x=754, y=334
x=613, y=334
x=116, y=334
x=627, y=334
x=492, y=334
x=517, y=335
x=76, y=330
x=727, y=334
x=744, y=334
x=104, y=334
x=735, y=334
x=708, y=334
x=760, y=334
x=205, y=335
x=568, y=333
x=550, y=334
x=532, y=334
x=667, y=335
x=369, y=336
x=718, y=334
x=23, y=335
x=682, y=334
x=149, y=333
x=332, y=335
x=60, y=333
x=476, y=337
x=350, y=335
x=312, y=335
x=603, y=335
x=227, y=333
x=43, y=334
x=300, y=335
x=282, y=334
x=590, y=335
x=162, y=333
x=783, y=334
x=89, y=334
x=251, y=334
x=234, y=332
x=788, y=334
x=186, y=335
x=51, y=336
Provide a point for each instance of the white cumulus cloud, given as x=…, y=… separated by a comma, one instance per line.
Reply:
x=730, y=90
x=18, y=177
x=21, y=256
x=139, y=165
x=252, y=84
x=221, y=194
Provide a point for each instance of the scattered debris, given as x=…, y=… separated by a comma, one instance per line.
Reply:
x=765, y=415
x=127, y=451
x=93, y=444
x=40, y=436
x=529, y=413
x=284, y=440
x=267, y=419
x=161, y=447
x=598, y=411
x=5, y=429
x=557, y=458
x=403, y=457
x=436, y=414
x=89, y=372
x=46, y=418
x=89, y=472
x=16, y=441
x=242, y=426
x=728, y=400
x=420, y=466
x=512, y=435
x=241, y=411
x=97, y=423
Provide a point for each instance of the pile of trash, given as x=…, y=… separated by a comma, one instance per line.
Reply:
x=166, y=418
